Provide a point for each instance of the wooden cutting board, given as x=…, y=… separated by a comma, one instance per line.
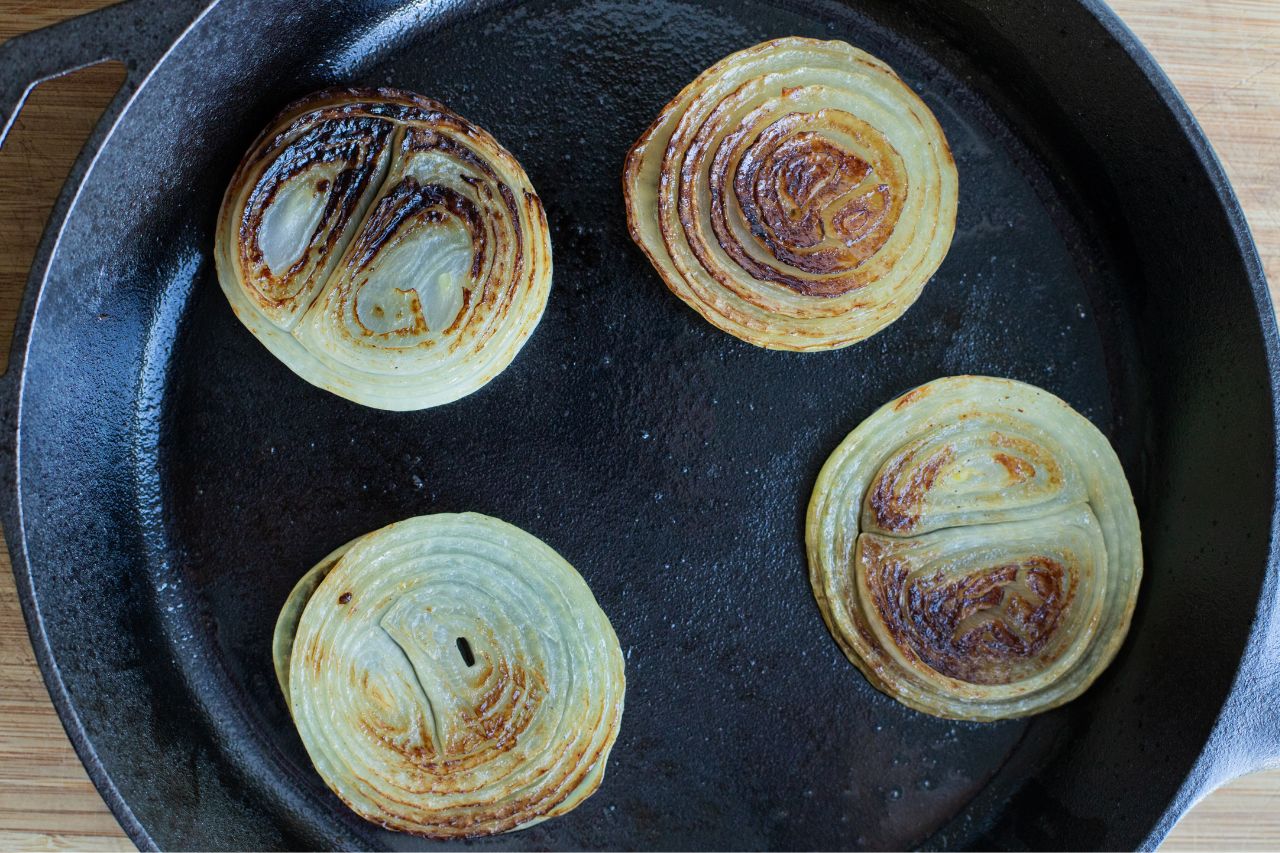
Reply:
x=1224, y=55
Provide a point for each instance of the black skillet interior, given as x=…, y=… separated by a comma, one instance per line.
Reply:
x=176, y=479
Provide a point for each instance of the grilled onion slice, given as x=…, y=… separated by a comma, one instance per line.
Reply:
x=384, y=248
x=451, y=676
x=798, y=195
x=974, y=548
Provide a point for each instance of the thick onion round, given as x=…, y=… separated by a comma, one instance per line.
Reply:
x=451, y=676
x=974, y=548
x=384, y=248
x=797, y=194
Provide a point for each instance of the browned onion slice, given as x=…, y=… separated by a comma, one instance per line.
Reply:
x=384, y=248
x=451, y=676
x=974, y=548
x=796, y=194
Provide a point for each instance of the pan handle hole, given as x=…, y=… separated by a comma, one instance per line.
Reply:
x=32, y=168
x=464, y=649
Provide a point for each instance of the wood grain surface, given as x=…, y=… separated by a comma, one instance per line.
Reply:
x=1224, y=56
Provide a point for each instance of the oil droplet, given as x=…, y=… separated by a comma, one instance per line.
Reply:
x=894, y=794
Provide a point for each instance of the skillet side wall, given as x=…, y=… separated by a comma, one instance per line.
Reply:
x=105, y=362
x=1206, y=488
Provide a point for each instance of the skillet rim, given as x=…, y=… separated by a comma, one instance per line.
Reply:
x=1218, y=760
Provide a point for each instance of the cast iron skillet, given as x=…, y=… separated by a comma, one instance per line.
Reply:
x=168, y=480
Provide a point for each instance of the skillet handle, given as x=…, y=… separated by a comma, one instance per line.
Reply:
x=1251, y=719
x=136, y=32
x=1246, y=737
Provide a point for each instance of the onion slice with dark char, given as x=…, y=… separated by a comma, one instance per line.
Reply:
x=384, y=248
x=451, y=676
x=975, y=550
x=797, y=194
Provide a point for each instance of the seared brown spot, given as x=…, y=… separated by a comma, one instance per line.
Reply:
x=786, y=196
x=819, y=210
x=315, y=657
x=911, y=396
x=344, y=598
x=492, y=723
x=410, y=205
x=991, y=626
x=462, y=313
x=358, y=143
x=1020, y=470
x=411, y=202
x=899, y=492
x=1026, y=452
